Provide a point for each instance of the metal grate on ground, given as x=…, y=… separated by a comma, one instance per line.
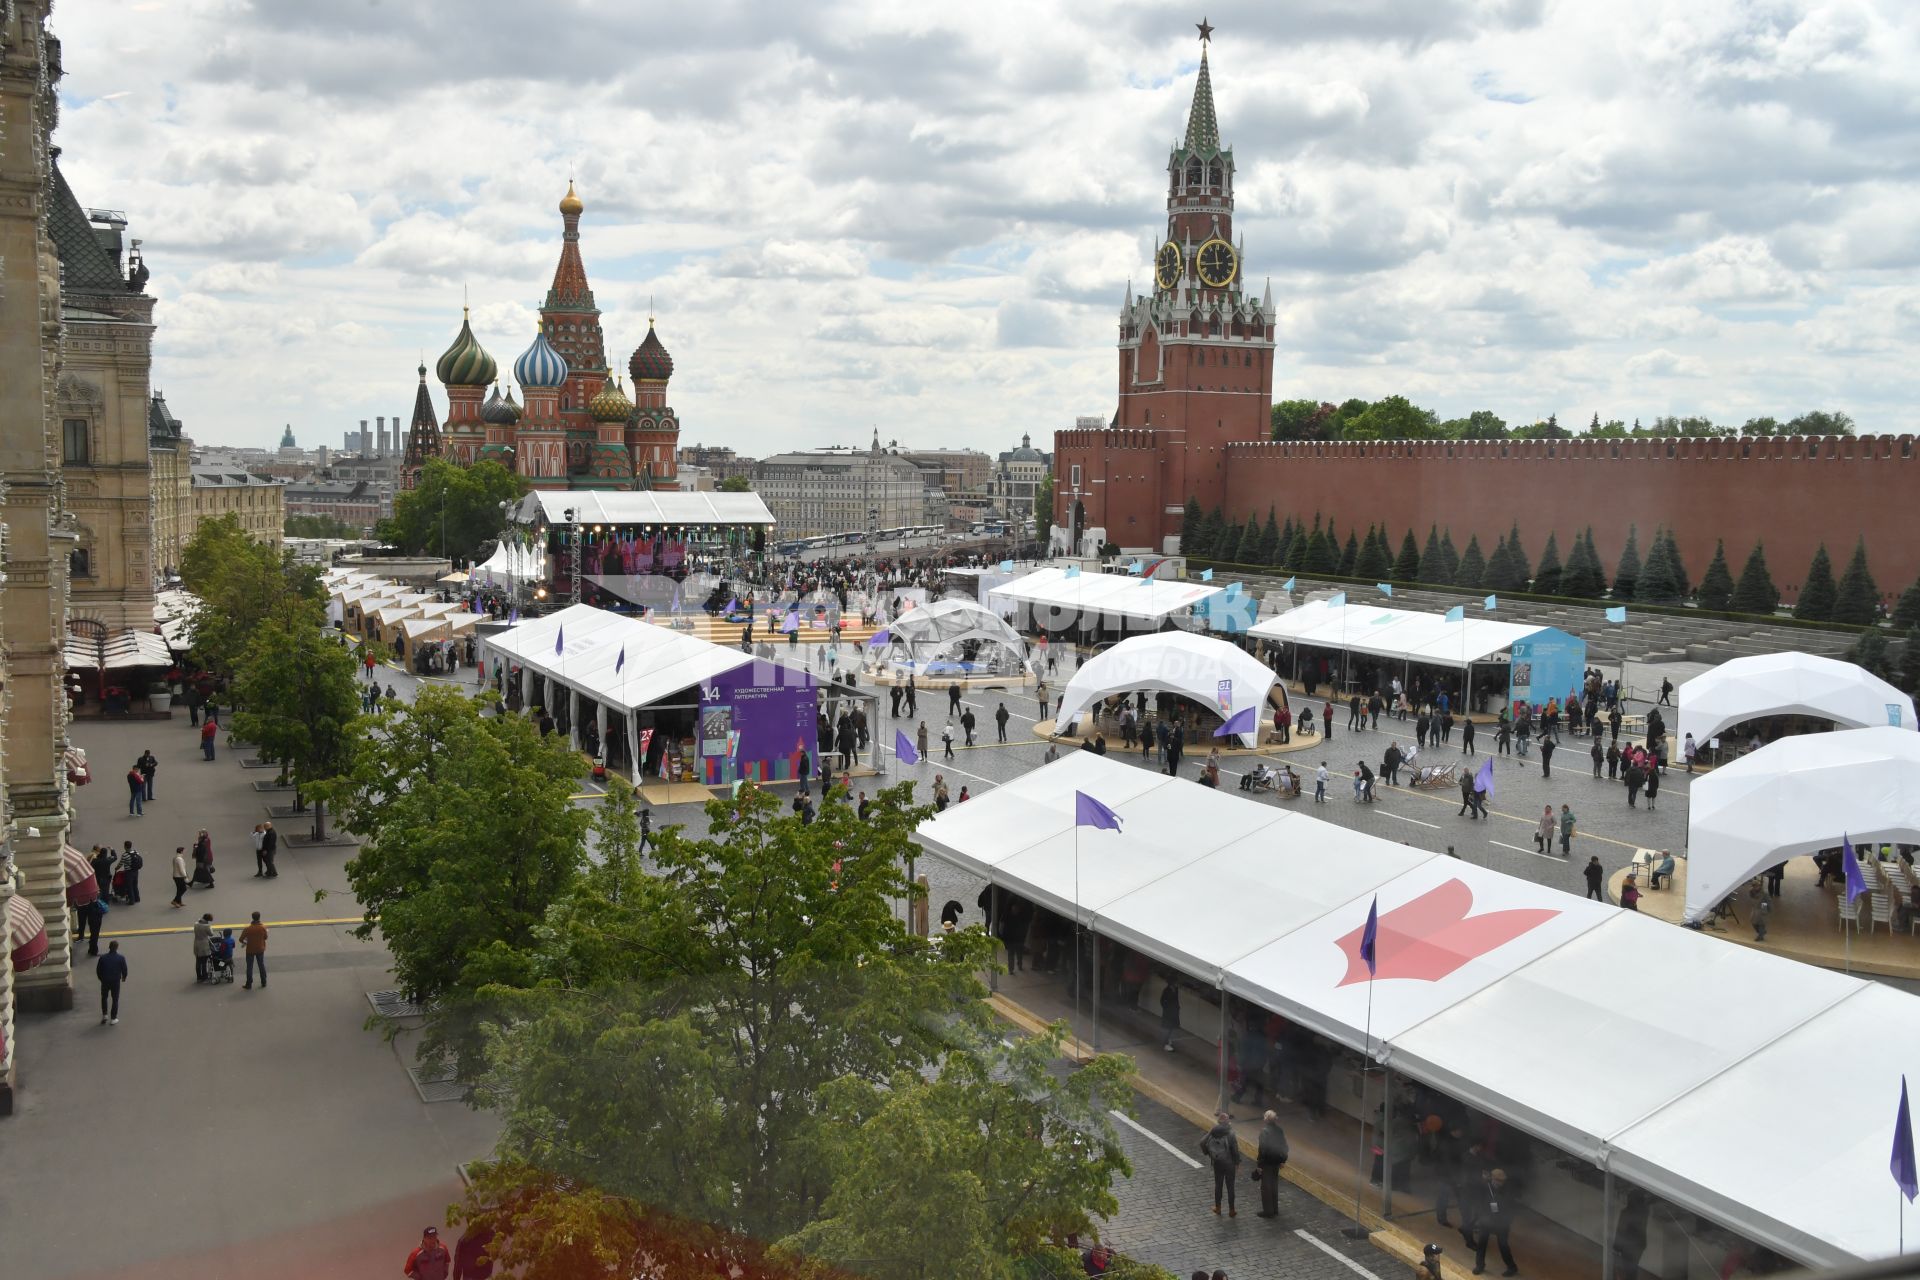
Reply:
x=436, y=1084
x=394, y=1004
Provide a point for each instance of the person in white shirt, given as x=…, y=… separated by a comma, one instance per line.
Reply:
x=179, y=874
x=1320, y=777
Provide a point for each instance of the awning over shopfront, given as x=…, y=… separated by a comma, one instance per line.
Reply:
x=1635, y=1045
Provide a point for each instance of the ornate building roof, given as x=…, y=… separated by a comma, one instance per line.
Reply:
x=423, y=434
x=162, y=427
x=1203, y=128
x=465, y=363
x=611, y=405
x=650, y=362
x=540, y=367
x=84, y=264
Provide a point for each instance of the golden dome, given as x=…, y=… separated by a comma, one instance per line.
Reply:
x=570, y=203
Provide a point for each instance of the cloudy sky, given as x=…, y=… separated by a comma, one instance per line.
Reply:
x=921, y=217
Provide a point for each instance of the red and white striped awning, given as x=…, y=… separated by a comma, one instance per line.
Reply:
x=82, y=885
x=26, y=933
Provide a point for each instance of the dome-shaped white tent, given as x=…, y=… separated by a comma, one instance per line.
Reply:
x=1796, y=796
x=928, y=630
x=1781, y=684
x=1197, y=667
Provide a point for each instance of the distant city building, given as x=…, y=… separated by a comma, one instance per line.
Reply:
x=358, y=503
x=824, y=491
x=960, y=473
x=259, y=503
x=1017, y=476
x=170, y=462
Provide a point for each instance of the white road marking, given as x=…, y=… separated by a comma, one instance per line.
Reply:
x=1415, y=821
x=1516, y=848
x=1334, y=1253
x=1157, y=1140
x=1532, y=853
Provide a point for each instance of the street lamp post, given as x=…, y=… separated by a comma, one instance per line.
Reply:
x=573, y=541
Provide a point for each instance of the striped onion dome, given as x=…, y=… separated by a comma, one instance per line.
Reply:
x=540, y=366
x=500, y=410
x=465, y=363
x=650, y=362
x=611, y=405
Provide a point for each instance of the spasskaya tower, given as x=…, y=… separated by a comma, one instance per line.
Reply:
x=1195, y=359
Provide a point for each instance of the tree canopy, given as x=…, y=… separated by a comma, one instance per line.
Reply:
x=464, y=502
x=295, y=698
x=1395, y=417
x=242, y=585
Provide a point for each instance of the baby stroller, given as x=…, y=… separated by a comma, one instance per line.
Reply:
x=220, y=959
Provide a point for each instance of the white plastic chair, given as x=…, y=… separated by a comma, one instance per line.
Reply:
x=1882, y=912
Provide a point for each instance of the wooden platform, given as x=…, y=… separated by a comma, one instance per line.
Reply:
x=1804, y=925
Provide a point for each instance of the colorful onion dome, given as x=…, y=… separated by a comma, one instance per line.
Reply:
x=650, y=362
x=540, y=366
x=465, y=363
x=570, y=203
x=611, y=405
x=500, y=410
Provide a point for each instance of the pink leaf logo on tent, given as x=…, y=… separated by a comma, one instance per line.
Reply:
x=1433, y=935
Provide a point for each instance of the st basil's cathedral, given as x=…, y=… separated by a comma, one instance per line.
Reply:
x=574, y=426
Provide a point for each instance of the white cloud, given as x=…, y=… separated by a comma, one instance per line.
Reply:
x=896, y=214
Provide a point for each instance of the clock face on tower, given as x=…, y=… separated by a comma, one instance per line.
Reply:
x=1166, y=265
x=1217, y=262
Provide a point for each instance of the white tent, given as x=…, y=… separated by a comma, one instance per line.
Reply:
x=930, y=629
x=1108, y=594
x=645, y=507
x=1394, y=633
x=1641, y=1047
x=1197, y=667
x=1799, y=795
x=1777, y=684
x=510, y=564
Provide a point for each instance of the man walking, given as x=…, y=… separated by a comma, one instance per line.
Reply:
x=269, y=849
x=208, y=730
x=1493, y=1220
x=1469, y=798
x=953, y=698
x=130, y=864
x=967, y=722
x=1595, y=875
x=1666, y=692
x=1271, y=1157
x=1000, y=720
x=136, y=792
x=148, y=766
x=111, y=969
x=254, y=939
x=1546, y=755
x=1566, y=832
x=1320, y=776
x=1222, y=1150
x=1466, y=737
x=259, y=835
x=202, y=946
x=179, y=874
x=1040, y=696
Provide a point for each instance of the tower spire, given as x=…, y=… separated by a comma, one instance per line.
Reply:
x=1203, y=127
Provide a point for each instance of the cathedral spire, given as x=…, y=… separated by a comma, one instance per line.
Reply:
x=1203, y=128
x=423, y=434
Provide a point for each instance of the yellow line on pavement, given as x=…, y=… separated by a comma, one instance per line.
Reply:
x=236, y=924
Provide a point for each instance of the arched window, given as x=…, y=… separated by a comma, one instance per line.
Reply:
x=1194, y=173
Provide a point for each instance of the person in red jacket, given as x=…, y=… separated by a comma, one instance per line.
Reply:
x=429, y=1261
x=207, y=732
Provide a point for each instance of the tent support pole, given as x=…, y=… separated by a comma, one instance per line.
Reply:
x=635, y=765
x=1093, y=940
x=993, y=928
x=1224, y=997
x=1386, y=1143
x=1606, y=1223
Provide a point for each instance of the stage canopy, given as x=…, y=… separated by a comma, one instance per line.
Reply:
x=1484, y=980
x=934, y=628
x=1780, y=684
x=1400, y=634
x=1799, y=795
x=590, y=643
x=1193, y=666
x=643, y=507
x=1112, y=594
x=511, y=563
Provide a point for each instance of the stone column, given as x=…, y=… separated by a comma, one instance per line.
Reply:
x=7, y=1054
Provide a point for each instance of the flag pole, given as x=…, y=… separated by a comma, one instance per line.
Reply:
x=1077, y=980
x=1356, y=1231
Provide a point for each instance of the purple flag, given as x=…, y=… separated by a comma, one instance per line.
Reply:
x=879, y=637
x=560, y=640
x=1483, y=780
x=1856, y=882
x=1088, y=812
x=513, y=615
x=621, y=661
x=1246, y=721
x=1904, y=1172
x=1370, y=938
x=903, y=748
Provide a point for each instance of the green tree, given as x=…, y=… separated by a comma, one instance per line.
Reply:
x=1043, y=511
x=1248, y=551
x=1547, y=430
x=1522, y=567
x=1449, y=558
x=467, y=836
x=1858, y=600
x=1318, y=558
x=1546, y=577
x=321, y=527
x=1342, y=417
x=243, y=585
x=1818, y=422
x=296, y=699
x=1284, y=553
x=1297, y=550
x=1481, y=424
x=1228, y=548
x=1216, y=532
x=1268, y=552
x=1716, y=587
x=1473, y=565
x=1756, y=592
x=1681, y=581
x=1349, y=556
x=1374, y=564
x=1906, y=611
x=1816, y=599
x=1870, y=653
x=1406, y=568
x=1583, y=577
x=1300, y=419
x=1909, y=680
x=1433, y=565
x=1626, y=578
x=741, y=484
x=461, y=503
x=1392, y=418
x=1657, y=582
x=1498, y=575
x=1193, y=523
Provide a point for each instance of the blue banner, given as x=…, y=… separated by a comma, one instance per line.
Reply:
x=1548, y=664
